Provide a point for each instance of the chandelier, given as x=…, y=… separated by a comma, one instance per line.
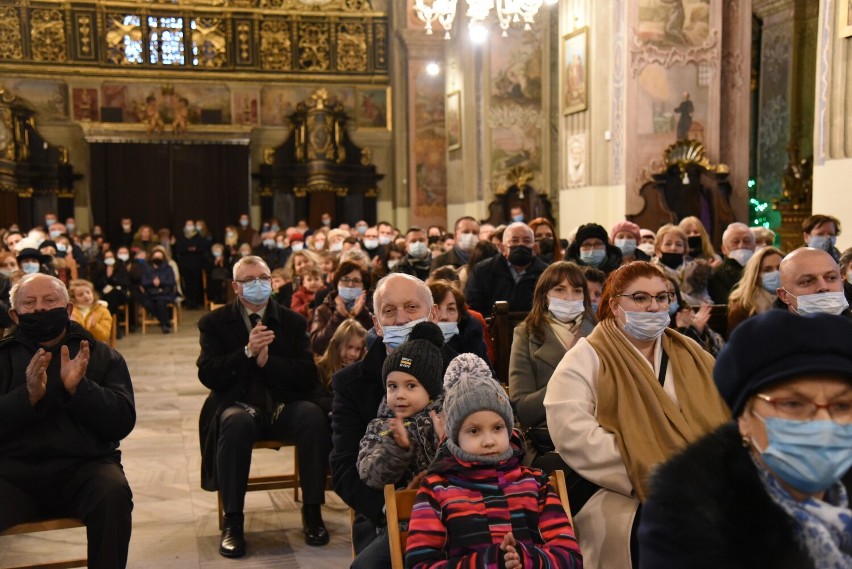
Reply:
x=509, y=13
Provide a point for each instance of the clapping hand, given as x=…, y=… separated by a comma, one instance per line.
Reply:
x=37, y=375
x=260, y=338
x=71, y=370
x=400, y=435
x=509, y=549
x=702, y=317
x=438, y=424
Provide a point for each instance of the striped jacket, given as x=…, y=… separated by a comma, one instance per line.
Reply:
x=464, y=510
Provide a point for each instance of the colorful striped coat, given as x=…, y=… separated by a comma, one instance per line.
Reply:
x=464, y=510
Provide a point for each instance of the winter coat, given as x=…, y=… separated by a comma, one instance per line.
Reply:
x=491, y=280
x=98, y=321
x=470, y=339
x=724, y=277
x=327, y=318
x=463, y=511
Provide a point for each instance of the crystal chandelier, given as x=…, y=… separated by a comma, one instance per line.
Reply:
x=444, y=11
x=509, y=12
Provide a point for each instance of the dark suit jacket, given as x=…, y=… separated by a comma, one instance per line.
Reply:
x=491, y=281
x=289, y=374
x=451, y=257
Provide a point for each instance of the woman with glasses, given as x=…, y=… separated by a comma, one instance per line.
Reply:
x=347, y=298
x=771, y=488
x=622, y=401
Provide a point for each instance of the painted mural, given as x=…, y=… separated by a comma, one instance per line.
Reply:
x=49, y=98
x=246, y=108
x=277, y=103
x=84, y=104
x=673, y=23
x=429, y=148
x=515, y=116
x=173, y=105
x=774, y=120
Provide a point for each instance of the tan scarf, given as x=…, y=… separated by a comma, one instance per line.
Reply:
x=648, y=425
x=566, y=331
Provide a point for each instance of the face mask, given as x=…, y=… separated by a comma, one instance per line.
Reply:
x=647, y=248
x=371, y=243
x=126, y=228
x=384, y=240
x=771, y=282
x=280, y=245
x=230, y=234
x=392, y=263
x=6, y=272
x=433, y=239
x=43, y=326
x=70, y=227
x=545, y=246
x=822, y=242
x=825, y=302
x=417, y=249
x=29, y=267
x=298, y=246
x=362, y=229
x=565, y=310
x=189, y=229
x=517, y=218
x=48, y=222
x=335, y=247
x=244, y=222
x=396, y=335
x=123, y=257
x=319, y=245
x=449, y=329
x=274, y=228
x=54, y=234
x=217, y=254
x=326, y=222
x=521, y=255
x=257, y=292
x=594, y=307
x=467, y=241
x=157, y=261
x=109, y=261
x=808, y=455
x=61, y=248
x=349, y=293
x=645, y=325
x=673, y=308
x=627, y=246
x=741, y=256
x=695, y=245
x=672, y=260
x=269, y=243
x=594, y=257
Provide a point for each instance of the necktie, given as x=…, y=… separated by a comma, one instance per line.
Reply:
x=254, y=318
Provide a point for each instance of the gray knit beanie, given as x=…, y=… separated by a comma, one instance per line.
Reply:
x=421, y=357
x=469, y=387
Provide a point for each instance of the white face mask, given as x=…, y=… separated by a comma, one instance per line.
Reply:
x=825, y=302
x=335, y=247
x=449, y=329
x=393, y=336
x=392, y=263
x=384, y=239
x=646, y=325
x=371, y=243
x=741, y=256
x=417, y=249
x=467, y=241
x=564, y=310
x=647, y=248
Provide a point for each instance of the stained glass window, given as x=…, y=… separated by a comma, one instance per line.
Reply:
x=165, y=40
x=132, y=41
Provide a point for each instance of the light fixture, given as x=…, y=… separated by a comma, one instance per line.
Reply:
x=433, y=69
x=478, y=32
x=444, y=11
x=509, y=12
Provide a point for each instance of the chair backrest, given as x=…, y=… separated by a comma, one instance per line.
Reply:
x=502, y=330
x=557, y=480
x=718, y=321
x=398, y=507
x=113, y=332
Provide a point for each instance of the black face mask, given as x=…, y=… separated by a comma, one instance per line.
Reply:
x=672, y=260
x=545, y=246
x=44, y=326
x=156, y=262
x=695, y=247
x=433, y=239
x=521, y=255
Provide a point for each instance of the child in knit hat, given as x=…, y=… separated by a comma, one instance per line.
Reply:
x=478, y=506
x=401, y=441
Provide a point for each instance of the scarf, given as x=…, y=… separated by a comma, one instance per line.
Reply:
x=566, y=331
x=823, y=527
x=648, y=425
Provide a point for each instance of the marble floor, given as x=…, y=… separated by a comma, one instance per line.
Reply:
x=174, y=520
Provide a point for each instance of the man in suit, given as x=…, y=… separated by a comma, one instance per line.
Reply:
x=257, y=362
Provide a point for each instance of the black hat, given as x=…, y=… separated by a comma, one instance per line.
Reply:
x=421, y=357
x=591, y=230
x=779, y=345
x=30, y=253
x=46, y=243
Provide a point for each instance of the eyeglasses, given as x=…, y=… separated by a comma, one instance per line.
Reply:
x=346, y=281
x=260, y=279
x=803, y=409
x=643, y=299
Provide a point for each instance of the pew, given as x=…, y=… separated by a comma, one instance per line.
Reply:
x=501, y=328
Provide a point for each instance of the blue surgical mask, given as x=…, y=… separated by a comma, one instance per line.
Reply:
x=627, y=246
x=393, y=336
x=822, y=242
x=30, y=267
x=645, y=325
x=593, y=257
x=417, y=249
x=595, y=307
x=384, y=240
x=257, y=292
x=673, y=308
x=449, y=329
x=54, y=234
x=70, y=227
x=349, y=294
x=274, y=228
x=826, y=302
x=362, y=229
x=771, y=281
x=518, y=218
x=808, y=455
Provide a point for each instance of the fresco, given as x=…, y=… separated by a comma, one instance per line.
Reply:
x=276, y=103
x=171, y=102
x=673, y=23
x=246, y=108
x=49, y=98
x=84, y=104
x=372, y=108
x=515, y=115
x=428, y=148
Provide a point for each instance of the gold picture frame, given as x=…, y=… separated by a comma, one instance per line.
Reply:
x=453, y=120
x=373, y=108
x=575, y=71
x=844, y=23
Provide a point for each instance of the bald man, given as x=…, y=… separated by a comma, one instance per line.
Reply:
x=811, y=282
x=738, y=247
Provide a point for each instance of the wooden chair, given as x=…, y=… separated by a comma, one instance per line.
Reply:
x=148, y=319
x=48, y=525
x=124, y=311
x=113, y=332
x=502, y=329
x=398, y=506
x=277, y=482
x=213, y=306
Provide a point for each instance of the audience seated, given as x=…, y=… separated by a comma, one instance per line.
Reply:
x=647, y=238
x=810, y=283
x=347, y=298
x=624, y=400
x=89, y=312
x=143, y=239
x=8, y=265
x=756, y=290
x=625, y=235
x=591, y=248
x=417, y=260
x=111, y=281
x=217, y=274
x=482, y=250
x=302, y=298
x=693, y=323
x=763, y=237
x=466, y=236
x=548, y=246
x=462, y=332
x=66, y=400
x=246, y=233
x=820, y=232
x=595, y=279
x=347, y=346
x=159, y=285
x=698, y=242
x=737, y=247
x=31, y=261
x=192, y=252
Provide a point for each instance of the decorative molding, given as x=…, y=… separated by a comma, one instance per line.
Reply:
x=644, y=54
x=824, y=53
x=619, y=87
